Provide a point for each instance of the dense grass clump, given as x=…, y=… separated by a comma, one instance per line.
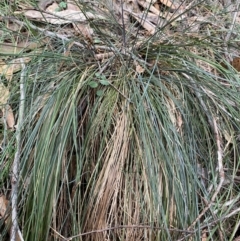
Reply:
x=130, y=127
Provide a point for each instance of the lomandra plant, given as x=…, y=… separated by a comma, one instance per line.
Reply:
x=130, y=129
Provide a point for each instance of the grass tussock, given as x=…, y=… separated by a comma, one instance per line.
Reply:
x=130, y=135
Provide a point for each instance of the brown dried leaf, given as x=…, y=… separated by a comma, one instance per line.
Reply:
x=4, y=214
x=4, y=95
x=236, y=63
x=52, y=8
x=6, y=109
x=71, y=5
x=62, y=17
x=8, y=112
x=4, y=211
x=204, y=235
x=12, y=48
x=12, y=67
x=169, y=4
x=32, y=14
x=145, y=24
x=42, y=4
x=13, y=26
x=149, y=6
x=83, y=29
x=167, y=15
x=139, y=69
x=3, y=205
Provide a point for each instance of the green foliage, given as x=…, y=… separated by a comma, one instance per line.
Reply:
x=62, y=5
x=93, y=84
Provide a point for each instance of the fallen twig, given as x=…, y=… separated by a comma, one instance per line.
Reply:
x=119, y=227
x=15, y=175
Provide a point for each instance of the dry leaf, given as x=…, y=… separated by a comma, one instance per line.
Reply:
x=8, y=70
x=12, y=48
x=13, y=26
x=42, y=4
x=12, y=67
x=145, y=24
x=8, y=113
x=204, y=235
x=62, y=17
x=149, y=6
x=6, y=109
x=7, y=218
x=236, y=63
x=3, y=211
x=156, y=5
x=169, y=4
x=152, y=1
x=84, y=29
x=167, y=15
x=71, y=5
x=139, y=69
x=4, y=95
x=3, y=205
x=52, y=8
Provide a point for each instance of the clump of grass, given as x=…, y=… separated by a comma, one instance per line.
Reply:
x=142, y=144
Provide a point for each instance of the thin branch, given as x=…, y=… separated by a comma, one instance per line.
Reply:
x=15, y=175
x=221, y=219
x=119, y=227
